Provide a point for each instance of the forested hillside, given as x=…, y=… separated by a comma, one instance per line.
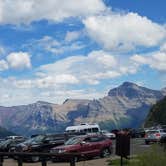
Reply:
x=157, y=114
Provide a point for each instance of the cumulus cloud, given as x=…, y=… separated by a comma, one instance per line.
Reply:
x=72, y=35
x=156, y=60
x=46, y=81
x=54, y=80
x=64, y=77
x=27, y=94
x=3, y=65
x=98, y=65
x=76, y=70
x=50, y=44
x=124, y=32
x=19, y=60
x=163, y=47
x=26, y=11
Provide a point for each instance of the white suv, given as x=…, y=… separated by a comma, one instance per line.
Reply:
x=154, y=135
x=108, y=134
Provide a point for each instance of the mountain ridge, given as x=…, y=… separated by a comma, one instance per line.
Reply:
x=125, y=106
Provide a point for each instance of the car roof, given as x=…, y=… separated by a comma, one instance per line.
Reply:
x=155, y=130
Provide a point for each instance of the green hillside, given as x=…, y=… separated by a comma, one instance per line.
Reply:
x=157, y=114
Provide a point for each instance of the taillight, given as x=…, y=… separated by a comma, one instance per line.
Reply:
x=158, y=135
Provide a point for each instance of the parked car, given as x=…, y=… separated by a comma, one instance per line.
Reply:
x=40, y=143
x=6, y=145
x=154, y=135
x=2, y=139
x=137, y=133
x=108, y=134
x=88, y=146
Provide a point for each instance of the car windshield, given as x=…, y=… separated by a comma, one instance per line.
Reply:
x=4, y=143
x=73, y=141
x=36, y=139
x=153, y=132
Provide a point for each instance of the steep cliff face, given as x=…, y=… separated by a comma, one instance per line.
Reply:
x=124, y=106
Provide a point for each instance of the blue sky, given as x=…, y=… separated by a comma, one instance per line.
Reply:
x=53, y=50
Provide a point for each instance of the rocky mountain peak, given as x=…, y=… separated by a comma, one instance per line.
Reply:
x=42, y=103
x=127, y=89
x=129, y=84
x=131, y=90
x=70, y=101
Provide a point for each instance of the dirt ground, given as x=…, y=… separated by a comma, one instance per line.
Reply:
x=95, y=162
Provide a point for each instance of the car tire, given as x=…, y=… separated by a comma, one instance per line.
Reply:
x=104, y=152
x=35, y=159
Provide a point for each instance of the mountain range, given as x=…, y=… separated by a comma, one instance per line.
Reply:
x=124, y=106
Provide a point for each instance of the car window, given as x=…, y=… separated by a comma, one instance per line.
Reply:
x=73, y=141
x=161, y=131
x=36, y=139
x=94, y=139
x=95, y=130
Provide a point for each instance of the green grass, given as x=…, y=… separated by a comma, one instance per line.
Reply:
x=154, y=157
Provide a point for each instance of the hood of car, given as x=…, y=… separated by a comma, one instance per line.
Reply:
x=67, y=147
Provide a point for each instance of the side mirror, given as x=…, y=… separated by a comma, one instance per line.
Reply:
x=83, y=143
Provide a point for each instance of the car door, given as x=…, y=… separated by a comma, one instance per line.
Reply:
x=96, y=143
x=85, y=147
x=92, y=146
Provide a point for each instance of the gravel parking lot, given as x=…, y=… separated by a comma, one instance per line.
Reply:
x=137, y=146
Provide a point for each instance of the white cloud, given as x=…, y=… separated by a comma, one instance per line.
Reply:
x=91, y=69
x=156, y=60
x=55, y=47
x=139, y=59
x=163, y=47
x=27, y=94
x=124, y=32
x=26, y=11
x=3, y=65
x=19, y=60
x=72, y=35
x=103, y=58
x=2, y=50
x=62, y=79
x=54, y=80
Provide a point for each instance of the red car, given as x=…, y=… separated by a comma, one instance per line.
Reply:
x=87, y=146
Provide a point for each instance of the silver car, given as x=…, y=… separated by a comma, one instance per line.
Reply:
x=154, y=135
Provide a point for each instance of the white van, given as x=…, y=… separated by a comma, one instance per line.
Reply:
x=83, y=128
x=15, y=137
